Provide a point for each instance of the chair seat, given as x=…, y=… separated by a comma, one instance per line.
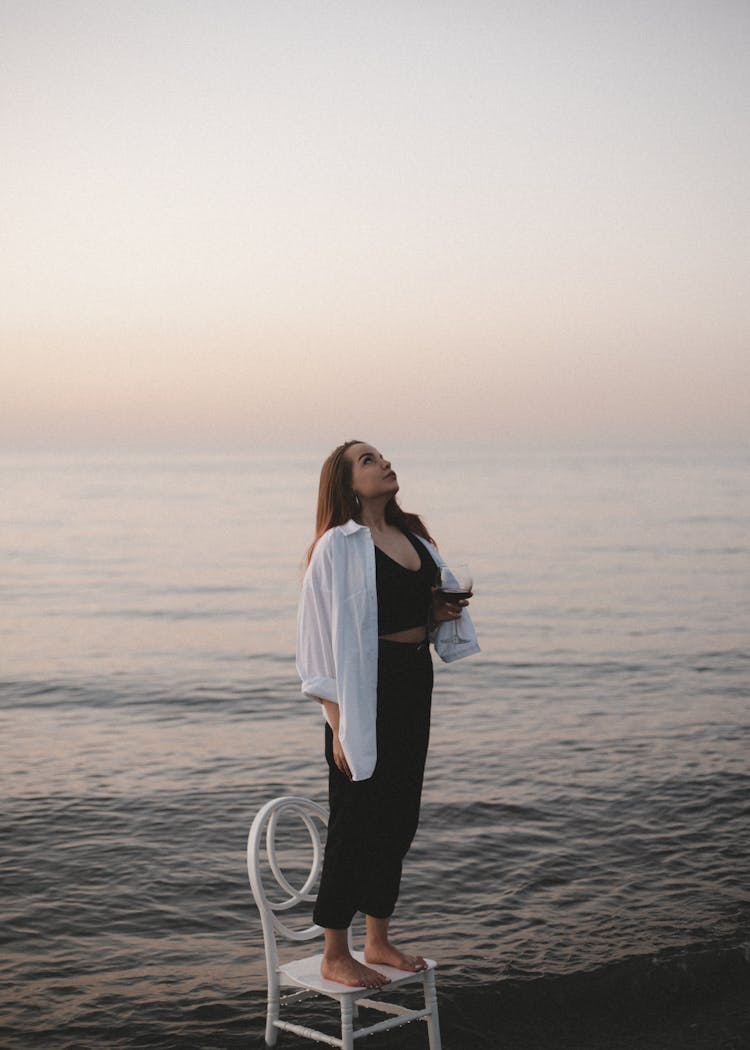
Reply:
x=306, y=972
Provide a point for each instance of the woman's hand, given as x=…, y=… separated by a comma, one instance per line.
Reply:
x=340, y=758
x=442, y=610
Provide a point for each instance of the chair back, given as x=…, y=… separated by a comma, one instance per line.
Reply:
x=262, y=840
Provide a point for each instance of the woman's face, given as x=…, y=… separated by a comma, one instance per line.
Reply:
x=372, y=477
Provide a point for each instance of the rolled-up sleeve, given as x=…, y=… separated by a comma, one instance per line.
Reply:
x=315, y=663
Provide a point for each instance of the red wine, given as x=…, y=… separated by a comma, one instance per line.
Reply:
x=453, y=596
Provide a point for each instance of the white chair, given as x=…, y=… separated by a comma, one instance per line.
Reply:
x=303, y=975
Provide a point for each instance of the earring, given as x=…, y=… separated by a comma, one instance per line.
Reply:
x=357, y=504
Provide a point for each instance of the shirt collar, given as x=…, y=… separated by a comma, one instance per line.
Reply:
x=351, y=526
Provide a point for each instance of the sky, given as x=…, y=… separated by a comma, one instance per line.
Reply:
x=238, y=224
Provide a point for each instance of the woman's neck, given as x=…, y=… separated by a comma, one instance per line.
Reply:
x=372, y=514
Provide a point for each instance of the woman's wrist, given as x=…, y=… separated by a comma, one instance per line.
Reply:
x=332, y=714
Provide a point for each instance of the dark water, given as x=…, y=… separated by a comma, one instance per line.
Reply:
x=581, y=870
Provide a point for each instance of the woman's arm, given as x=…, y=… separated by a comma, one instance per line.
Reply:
x=315, y=663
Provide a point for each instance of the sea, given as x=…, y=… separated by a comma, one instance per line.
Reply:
x=581, y=873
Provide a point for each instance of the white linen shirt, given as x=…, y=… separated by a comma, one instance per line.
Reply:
x=337, y=637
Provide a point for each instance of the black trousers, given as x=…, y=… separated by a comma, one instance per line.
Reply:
x=372, y=822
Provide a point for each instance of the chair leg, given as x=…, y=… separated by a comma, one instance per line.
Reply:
x=347, y=1028
x=431, y=1003
x=272, y=1014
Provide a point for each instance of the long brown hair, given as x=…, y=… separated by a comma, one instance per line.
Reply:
x=337, y=502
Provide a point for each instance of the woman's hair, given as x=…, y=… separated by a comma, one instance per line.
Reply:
x=337, y=502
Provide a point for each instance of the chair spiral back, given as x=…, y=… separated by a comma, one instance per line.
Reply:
x=264, y=829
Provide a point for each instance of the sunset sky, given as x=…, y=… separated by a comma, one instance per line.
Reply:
x=240, y=224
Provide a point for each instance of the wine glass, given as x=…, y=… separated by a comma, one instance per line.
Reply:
x=455, y=583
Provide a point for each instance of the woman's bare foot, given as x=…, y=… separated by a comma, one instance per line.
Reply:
x=346, y=970
x=388, y=954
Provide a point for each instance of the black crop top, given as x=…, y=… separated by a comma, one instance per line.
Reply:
x=404, y=595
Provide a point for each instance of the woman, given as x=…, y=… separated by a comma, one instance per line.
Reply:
x=367, y=613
